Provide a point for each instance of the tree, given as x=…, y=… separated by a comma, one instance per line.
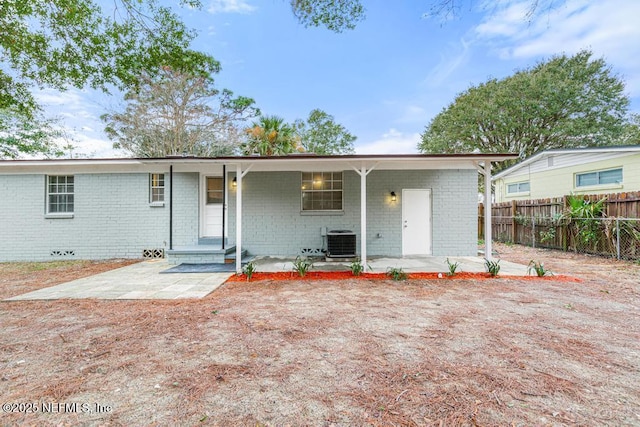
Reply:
x=271, y=136
x=33, y=136
x=321, y=135
x=565, y=102
x=173, y=113
x=343, y=15
x=337, y=16
x=62, y=43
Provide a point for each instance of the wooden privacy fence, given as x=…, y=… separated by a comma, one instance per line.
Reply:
x=544, y=223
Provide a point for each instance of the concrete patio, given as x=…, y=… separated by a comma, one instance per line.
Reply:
x=145, y=280
x=137, y=281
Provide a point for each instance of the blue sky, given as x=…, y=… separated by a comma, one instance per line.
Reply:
x=385, y=80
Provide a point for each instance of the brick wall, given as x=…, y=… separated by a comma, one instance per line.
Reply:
x=112, y=217
x=274, y=225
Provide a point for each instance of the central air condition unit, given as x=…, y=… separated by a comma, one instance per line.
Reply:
x=341, y=244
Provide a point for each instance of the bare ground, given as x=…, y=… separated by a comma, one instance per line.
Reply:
x=352, y=352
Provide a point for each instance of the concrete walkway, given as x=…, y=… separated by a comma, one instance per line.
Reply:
x=137, y=281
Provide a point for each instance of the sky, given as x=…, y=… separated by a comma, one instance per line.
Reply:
x=385, y=80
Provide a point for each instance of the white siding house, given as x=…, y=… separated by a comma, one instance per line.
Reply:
x=556, y=173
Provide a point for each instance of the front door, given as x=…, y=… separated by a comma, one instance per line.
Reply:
x=416, y=222
x=213, y=206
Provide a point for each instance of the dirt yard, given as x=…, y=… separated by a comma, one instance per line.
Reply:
x=351, y=352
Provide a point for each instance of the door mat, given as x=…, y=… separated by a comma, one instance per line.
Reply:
x=202, y=268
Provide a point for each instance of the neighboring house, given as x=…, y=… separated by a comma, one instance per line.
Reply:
x=556, y=173
x=394, y=205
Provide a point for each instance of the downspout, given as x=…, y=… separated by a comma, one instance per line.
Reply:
x=170, y=207
x=224, y=200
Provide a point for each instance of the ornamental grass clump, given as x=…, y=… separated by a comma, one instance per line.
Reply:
x=453, y=267
x=539, y=269
x=493, y=267
x=302, y=265
x=397, y=274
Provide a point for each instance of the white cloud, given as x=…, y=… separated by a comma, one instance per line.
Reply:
x=609, y=29
x=392, y=142
x=230, y=6
x=457, y=57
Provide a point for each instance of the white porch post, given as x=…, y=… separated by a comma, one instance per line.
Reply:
x=238, y=218
x=363, y=215
x=488, y=249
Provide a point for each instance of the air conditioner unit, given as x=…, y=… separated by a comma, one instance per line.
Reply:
x=341, y=244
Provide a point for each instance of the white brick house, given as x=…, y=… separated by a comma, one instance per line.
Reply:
x=395, y=205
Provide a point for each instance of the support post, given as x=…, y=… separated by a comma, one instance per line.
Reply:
x=170, y=207
x=224, y=202
x=488, y=246
x=363, y=215
x=238, y=218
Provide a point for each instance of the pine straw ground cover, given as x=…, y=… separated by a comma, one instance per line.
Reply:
x=340, y=352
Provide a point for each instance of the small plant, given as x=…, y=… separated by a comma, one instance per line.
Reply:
x=249, y=269
x=538, y=267
x=396, y=273
x=302, y=265
x=493, y=267
x=356, y=267
x=453, y=267
x=548, y=236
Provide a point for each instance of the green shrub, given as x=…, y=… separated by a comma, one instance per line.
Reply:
x=396, y=273
x=493, y=267
x=302, y=265
x=356, y=267
x=453, y=267
x=249, y=269
x=538, y=267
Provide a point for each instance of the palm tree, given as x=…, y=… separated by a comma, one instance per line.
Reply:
x=271, y=136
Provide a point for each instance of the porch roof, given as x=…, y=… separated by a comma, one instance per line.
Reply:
x=293, y=162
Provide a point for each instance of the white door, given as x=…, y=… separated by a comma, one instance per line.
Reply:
x=416, y=222
x=213, y=202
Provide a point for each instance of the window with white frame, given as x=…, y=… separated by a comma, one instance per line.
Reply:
x=321, y=191
x=602, y=177
x=60, y=189
x=518, y=187
x=156, y=187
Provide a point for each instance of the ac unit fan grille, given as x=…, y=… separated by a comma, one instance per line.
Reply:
x=341, y=244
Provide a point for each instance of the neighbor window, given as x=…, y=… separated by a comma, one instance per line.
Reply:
x=603, y=177
x=518, y=187
x=322, y=191
x=60, y=194
x=156, y=187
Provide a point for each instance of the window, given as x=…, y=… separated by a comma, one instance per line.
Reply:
x=156, y=188
x=518, y=187
x=604, y=177
x=215, y=190
x=321, y=191
x=59, y=194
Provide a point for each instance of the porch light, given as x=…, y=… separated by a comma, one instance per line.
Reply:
x=234, y=183
x=393, y=196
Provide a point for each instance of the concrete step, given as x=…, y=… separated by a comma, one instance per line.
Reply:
x=202, y=254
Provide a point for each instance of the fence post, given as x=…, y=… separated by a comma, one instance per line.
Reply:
x=533, y=231
x=618, y=238
x=565, y=225
x=514, y=225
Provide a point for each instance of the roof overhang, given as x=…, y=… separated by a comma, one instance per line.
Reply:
x=561, y=151
x=301, y=162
